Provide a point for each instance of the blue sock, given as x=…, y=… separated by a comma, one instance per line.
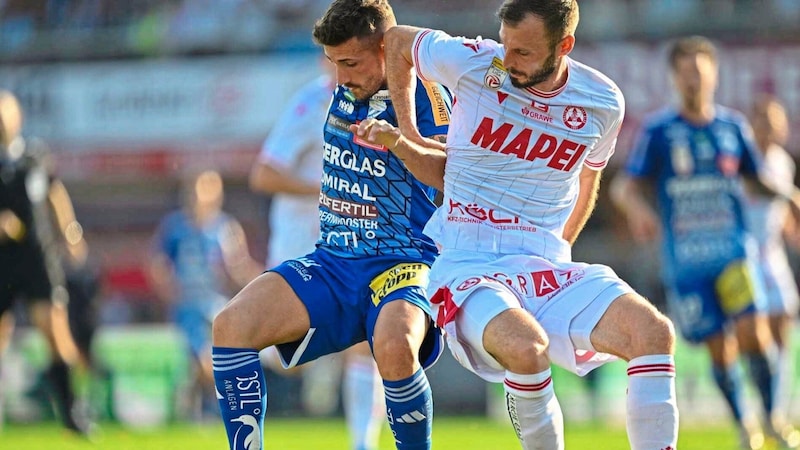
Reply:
x=409, y=408
x=764, y=378
x=729, y=381
x=242, y=395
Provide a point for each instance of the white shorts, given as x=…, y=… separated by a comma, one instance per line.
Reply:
x=567, y=298
x=779, y=283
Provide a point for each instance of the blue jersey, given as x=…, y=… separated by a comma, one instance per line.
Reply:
x=370, y=204
x=697, y=171
x=195, y=253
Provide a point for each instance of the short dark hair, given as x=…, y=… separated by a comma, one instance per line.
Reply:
x=691, y=45
x=346, y=19
x=560, y=16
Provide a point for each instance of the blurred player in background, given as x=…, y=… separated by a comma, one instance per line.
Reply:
x=366, y=279
x=694, y=159
x=82, y=282
x=30, y=201
x=290, y=169
x=769, y=220
x=532, y=130
x=200, y=256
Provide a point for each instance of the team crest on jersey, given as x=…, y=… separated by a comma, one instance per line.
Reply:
x=496, y=74
x=681, y=158
x=346, y=107
x=574, y=117
x=376, y=107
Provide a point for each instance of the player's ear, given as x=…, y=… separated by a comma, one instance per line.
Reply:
x=566, y=45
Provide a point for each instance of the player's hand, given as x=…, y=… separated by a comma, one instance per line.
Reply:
x=378, y=132
x=644, y=225
x=11, y=228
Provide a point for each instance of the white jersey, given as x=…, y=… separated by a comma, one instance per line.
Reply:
x=295, y=145
x=514, y=155
x=766, y=217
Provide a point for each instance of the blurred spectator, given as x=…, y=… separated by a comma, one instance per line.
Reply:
x=200, y=256
x=29, y=265
x=151, y=27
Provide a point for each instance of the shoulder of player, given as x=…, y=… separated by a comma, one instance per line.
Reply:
x=659, y=118
x=730, y=115
x=308, y=97
x=596, y=82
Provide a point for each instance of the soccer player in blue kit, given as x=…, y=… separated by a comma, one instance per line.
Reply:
x=699, y=158
x=366, y=279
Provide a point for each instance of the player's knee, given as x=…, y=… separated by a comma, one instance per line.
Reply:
x=395, y=357
x=660, y=336
x=524, y=356
x=226, y=329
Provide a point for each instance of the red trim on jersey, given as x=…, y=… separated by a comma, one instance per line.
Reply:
x=550, y=94
x=594, y=164
x=416, y=53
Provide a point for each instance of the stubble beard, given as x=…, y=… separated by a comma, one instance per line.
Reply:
x=541, y=75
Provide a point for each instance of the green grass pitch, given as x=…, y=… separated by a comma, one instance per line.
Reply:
x=450, y=433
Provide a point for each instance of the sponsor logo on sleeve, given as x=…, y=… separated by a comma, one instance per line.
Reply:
x=496, y=74
x=441, y=111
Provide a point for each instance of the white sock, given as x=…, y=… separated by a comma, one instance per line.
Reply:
x=652, y=409
x=534, y=411
x=783, y=384
x=320, y=389
x=364, y=405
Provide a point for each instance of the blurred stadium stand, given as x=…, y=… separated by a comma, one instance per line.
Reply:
x=130, y=94
x=50, y=30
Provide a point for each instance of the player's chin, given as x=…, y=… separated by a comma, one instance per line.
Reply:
x=520, y=83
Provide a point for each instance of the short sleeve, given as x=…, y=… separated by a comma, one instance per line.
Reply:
x=439, y=57
x=299, y=128
x=641, y=160
x=434, y=105
x=600, y=155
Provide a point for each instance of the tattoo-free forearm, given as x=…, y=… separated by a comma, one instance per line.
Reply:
x=401, y=78
x=426, y=163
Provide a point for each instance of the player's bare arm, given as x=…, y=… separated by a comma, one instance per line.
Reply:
x=627, y=195
x=265, y=178
x=587, y=199
x=10, y=226
x=401, y=78
x=239, y=265
x=425, y=162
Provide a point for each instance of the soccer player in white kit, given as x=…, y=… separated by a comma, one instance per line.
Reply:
x=289, y=168
x=767, y=217
x=531, y=131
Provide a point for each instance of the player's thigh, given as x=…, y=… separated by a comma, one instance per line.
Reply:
x=632, y=327
x=265, y=312
x=493, y=333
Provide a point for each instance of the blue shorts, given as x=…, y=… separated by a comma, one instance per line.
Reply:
x=705, y=304
x=344, y=296
x=193, y=317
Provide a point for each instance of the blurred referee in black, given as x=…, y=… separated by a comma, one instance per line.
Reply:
x=30, y=270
